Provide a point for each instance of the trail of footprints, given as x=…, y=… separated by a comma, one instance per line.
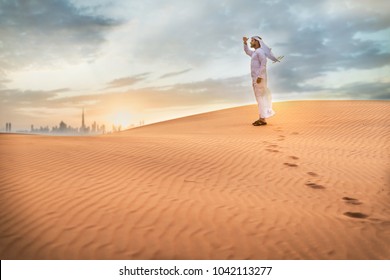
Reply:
x=348, y=200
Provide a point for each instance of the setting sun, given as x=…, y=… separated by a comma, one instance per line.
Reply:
x=121, y=118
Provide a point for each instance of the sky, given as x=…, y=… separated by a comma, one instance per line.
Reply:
x=132, y=61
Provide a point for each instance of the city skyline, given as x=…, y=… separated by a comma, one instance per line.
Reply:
x=64, y=128
x=129, y=61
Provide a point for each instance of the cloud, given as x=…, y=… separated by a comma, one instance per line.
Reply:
x=373, y=91
x=223, y=91
x=171, y=74
x=40, y=33
x=127, y=81
x=3, y=81
x=211, y=91
x=15, y=98
x=198, y=35
x=203, y=34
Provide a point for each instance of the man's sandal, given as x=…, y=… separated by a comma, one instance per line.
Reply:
x=259, y=122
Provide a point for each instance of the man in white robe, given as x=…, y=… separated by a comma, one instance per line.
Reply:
x=259, y=79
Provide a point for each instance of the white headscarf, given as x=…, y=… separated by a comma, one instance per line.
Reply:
x=267, y=50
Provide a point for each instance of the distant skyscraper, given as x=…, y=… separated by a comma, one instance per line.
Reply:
x=83, y=123
x=8, y=127
x=83, y=128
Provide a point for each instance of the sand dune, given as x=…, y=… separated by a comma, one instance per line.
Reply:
x=312, y=184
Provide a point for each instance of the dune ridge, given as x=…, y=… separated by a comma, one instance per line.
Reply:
x=312, y=184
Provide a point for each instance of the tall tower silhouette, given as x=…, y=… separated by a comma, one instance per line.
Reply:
x=82, y=129
x=82, y=122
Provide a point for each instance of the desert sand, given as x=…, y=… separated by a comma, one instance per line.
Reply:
x=312, y=184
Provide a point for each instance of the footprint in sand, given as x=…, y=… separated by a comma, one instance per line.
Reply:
x=272, y=146
x=315, y=186
x=356, y=215
x=290, y=164
x=295, y=133
x=294, y=157
x=351, y=200
x=272, y=150
x=279, y=129
x=312, y=174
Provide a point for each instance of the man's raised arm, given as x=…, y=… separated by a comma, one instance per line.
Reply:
x=246, y=49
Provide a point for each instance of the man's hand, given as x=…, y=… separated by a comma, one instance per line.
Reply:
x=258, y=80
x=244, y=39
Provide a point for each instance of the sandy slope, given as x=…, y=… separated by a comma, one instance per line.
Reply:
x=313, y=184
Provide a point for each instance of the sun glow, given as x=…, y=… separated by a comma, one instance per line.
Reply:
x=121, y=118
